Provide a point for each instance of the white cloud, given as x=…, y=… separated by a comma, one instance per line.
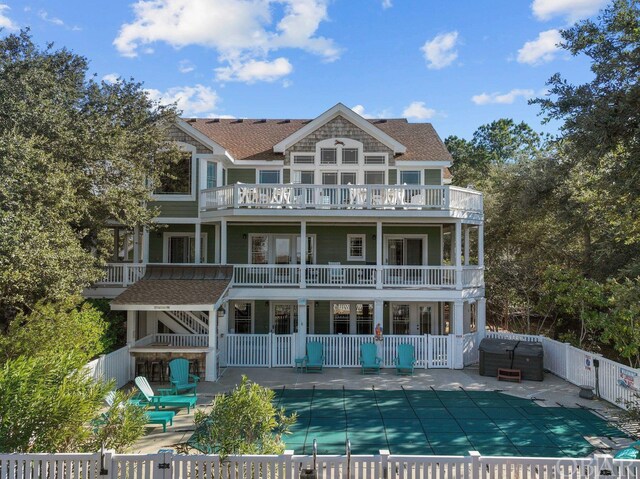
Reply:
x=417, y=110
x=440, y=51
x=185, y=66
x=255, y=70
x=192, y=100
x=44, y=15
x=502, y=98
x=239, y=31
x=541, y=50
x=573, y=10
x=110, y=78
x=5, y=21
x=387, y=4
x=361, y=110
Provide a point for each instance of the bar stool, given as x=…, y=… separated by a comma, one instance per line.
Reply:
x=194, y=367
x=156, y=370
x=142, y=367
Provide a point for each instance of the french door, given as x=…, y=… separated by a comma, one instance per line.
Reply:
x=406, y=251
x=415, y=318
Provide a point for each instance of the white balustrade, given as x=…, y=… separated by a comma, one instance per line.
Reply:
x=122, y=274
x=439, y=350
x=249, y=350
x=472, y=276
x=340, y=275
x=182, y=340
x=423, y=276
x=266, y=275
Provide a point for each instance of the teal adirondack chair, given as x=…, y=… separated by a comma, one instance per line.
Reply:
x=180, y=378
x=406, y=359
x=369, y=359
x=164, y=400
x=314, y=359
x=153, y=417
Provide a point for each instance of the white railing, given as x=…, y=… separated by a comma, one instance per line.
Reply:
x=473, y=276
x=408, y=197
x=288, y=466
x=250, y=350
x=114, y=365
x=422, y=276
x=266, y=274
x=439, y=349
x=282, y=353
x=181, y=340
x=191, y=321
x=617, y=382
x=122, y=273
x=470, y=343
x=340, y=275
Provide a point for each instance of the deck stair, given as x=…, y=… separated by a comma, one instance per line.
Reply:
x=194, y=322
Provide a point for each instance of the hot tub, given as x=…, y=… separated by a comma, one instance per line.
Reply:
x=511, y=354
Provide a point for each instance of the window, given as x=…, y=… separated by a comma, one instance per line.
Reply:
x=355, y=247
x=400, y=319
x=329, y=178
x=374, y=160
x=181, y=248
x=409, y=177
x=304, y=159
x=285, y=318
x=310, y=249
x=349, y=156
x=177, y=181
x=364, y=318
x=259, y=250
x=328, y=156
x=374, y=177
x=242, y=318
x=304, y=177
x=348, y=178
x=341, y=318
x=212, y=174
x=268, y=177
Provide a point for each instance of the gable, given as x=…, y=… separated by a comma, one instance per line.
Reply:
x=339, y=127
x=176, y=134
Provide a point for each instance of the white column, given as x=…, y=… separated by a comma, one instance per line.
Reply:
x=145, y=245
x=457, y=361
x=481, y=245
x=198, y=250
x=301, y=340
x=466, y=245
x=211, y=373
x=378, y=255
x=458, y=254
x=132, y=324
x=223, y=241
x=223, y=330
x=136, y=244
x=378, y=318
x=303, y=256
x=216, y=233
x=481, y=317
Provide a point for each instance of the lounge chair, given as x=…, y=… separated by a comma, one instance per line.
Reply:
x=314, y=359
x=406, y=359
x=153, y=417
x=180, y=378
x=165, y=400
x=369, y=359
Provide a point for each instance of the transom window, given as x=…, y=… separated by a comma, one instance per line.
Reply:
x=304, y=159
x=328, y=156
x=374, y=160
x=355, y=247
x=269, y=177
x=349, y=156
x=242, y=317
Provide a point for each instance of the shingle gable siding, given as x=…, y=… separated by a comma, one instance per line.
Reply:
x=176, y=134
x=339, y=127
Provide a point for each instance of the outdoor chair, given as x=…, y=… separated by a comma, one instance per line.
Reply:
x=336, y=274
x=314, y=359
x=369, y=359
x=164, y=399
x=180, y=378
x=153, y=417
x=406, y=359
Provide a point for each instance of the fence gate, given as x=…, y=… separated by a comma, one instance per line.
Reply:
x=439, y=351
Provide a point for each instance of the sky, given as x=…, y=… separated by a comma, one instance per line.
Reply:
x=457, y=64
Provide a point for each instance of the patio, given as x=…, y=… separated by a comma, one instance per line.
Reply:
x=553, y=392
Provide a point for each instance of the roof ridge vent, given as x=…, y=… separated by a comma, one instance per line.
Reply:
x=284, y=121
x=214, y=120
x=382, y=120
x=239, y=120
x=191, y=120
x=263, y=120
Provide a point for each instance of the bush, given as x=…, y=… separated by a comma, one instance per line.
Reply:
x=244, y=421
x=115, y=335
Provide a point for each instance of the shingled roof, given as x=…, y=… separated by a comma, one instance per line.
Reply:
x=253, y=139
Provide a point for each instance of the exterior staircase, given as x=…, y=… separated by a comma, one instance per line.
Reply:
x=186, y=322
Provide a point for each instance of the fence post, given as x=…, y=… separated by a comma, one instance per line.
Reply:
x=425, y=339
x=105, y=464
x=474, y=456
x=383, y=459
x=566, y=361
x=270, y=349
x=604, y=466
x=287, y=460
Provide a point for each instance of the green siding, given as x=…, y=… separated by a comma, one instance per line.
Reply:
x=322, y=318
x=286, y=175
x=156, y=240
x=331, y=243
x=393, y=177
x=433, y=177
x=241, y=175
x=176, y=209
x=238, y=247
x=261, y=317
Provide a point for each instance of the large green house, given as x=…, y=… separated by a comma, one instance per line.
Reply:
x=287, y=231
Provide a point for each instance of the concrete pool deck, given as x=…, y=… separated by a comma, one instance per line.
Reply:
x=553, y=391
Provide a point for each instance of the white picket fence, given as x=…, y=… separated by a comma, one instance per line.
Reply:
x=259, y=350
x=166, y=465
x=114, y=365
x=617, y=382
x=470, y=343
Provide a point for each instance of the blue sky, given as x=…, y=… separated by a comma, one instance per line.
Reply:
x=457, y=64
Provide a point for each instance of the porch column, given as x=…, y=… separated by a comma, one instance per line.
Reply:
x=132, y=324
x=198, y=250
x=457, y=360
x=481, y=245
x=216, y=235
x=378, y=258
x=458, y=254
x=466, y=245
x=481, y=317
x=145, y=245
x=136, y=244
x=223, y=241
x=303, y=258
x=223, y=330
x=211, y=373
x=301, y=340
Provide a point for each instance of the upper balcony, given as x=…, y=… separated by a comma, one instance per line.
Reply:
x=432, y=200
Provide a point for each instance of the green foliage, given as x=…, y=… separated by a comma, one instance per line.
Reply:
x=622, y=325
x=115, y=335
x=244, y=421
x=46, y=404
x=119, y=427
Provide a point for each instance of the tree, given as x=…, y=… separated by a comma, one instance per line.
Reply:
x=74, y=154
x=244, y=421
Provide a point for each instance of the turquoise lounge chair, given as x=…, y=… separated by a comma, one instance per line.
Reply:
x=369, y=359
x=406, y=359
x=153, y=417
x=180, y=377
x=164, y=400
x=314, y=359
